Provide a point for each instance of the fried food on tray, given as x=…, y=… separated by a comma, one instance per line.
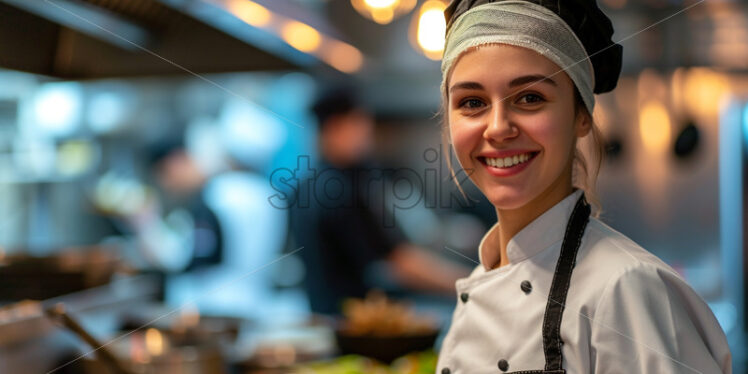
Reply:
x=414, y=363
x=378, y=316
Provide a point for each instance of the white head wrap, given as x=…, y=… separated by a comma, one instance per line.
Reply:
x=522, y=24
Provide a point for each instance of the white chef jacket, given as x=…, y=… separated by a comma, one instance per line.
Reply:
x=626, y=310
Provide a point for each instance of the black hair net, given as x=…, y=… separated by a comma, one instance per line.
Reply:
x=593, y=28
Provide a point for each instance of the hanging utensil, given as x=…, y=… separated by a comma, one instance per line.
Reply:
x=58, y=314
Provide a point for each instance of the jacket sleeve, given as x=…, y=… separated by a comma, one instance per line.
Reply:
x=650, y=321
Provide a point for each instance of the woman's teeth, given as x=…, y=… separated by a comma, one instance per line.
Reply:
x=508, y=162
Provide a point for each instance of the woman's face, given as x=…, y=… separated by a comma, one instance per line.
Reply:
x=512, y=123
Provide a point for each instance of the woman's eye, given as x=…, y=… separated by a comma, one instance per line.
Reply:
x=471, y=104
x=531, y=99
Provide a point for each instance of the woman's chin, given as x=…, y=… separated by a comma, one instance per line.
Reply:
x=507, y=199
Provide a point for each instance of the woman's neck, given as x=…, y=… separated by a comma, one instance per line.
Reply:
x=513, y=221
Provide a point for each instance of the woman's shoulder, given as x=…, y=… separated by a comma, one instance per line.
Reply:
x=609, y=260
x=635, y=297
x=615, y=253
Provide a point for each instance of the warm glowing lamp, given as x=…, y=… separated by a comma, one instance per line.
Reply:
x=654, y=126
x=383, y=11
x=428, y=29
x=301, y=36
x=250, y=12
x=342, y=56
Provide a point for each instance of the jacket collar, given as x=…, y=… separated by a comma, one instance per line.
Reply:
x=540, y=234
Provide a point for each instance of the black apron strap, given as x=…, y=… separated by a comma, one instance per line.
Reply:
x=560, y=286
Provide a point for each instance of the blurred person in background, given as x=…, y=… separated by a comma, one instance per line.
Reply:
x=348, y=247
x=176, y=230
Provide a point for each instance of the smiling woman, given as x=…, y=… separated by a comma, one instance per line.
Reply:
x=556, y=290
x=517, y=111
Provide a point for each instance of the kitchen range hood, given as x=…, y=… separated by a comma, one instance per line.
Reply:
x=88, y=39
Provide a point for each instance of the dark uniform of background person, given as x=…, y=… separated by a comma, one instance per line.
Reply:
x=172, y=163
x=339, y=218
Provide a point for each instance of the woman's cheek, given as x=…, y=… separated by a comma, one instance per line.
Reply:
x=557, y=143
x=543, y=126
x=547, y=132
x=463, y=140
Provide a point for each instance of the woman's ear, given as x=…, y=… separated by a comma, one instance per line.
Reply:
x=582, y=123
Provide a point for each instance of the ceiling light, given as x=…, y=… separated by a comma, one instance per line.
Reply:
x=428, y=29
x=383, y=11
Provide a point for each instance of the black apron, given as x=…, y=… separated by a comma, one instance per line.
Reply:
x=554, y=309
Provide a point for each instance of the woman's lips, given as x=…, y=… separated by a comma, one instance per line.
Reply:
x=497, y=165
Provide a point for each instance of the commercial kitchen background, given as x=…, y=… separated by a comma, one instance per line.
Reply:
x=86, y=86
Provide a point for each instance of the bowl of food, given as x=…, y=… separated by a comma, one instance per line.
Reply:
x=383, y=329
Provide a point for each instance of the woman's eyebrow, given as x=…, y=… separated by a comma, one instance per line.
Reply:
x=532, y=79
x=466, y=86
x=519, y=81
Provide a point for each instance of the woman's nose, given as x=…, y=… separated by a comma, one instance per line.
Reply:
x=499, y=126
